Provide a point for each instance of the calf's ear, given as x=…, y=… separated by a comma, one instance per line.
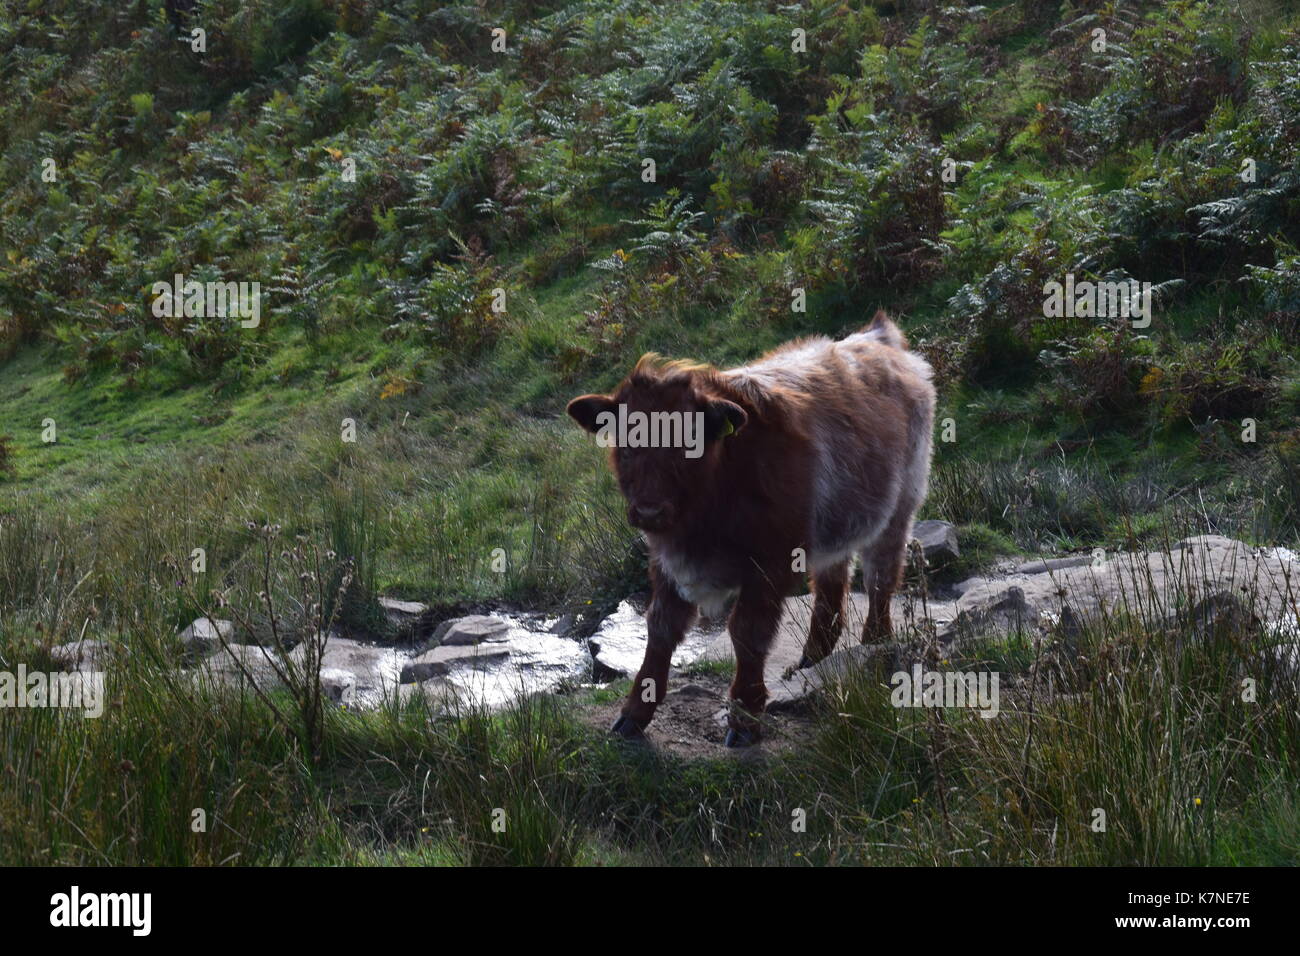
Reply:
x=585, y=408
x=723, y=418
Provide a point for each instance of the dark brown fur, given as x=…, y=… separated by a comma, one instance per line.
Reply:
x=814, y=450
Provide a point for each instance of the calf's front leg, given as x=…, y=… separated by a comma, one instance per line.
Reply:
x=667, y=620
x=752, y=625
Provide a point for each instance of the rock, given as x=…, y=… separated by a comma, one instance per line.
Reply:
x=337, y=684
x=435, y=692
x=490, y=660
x=1154, y=582
x=418, y=671
x=203, y=637
x=938, y=540
x=1210, y=542
x=439, y=661
x=405, y=609
x=1282, y=660
x=618, y=645
x=375, y=668
x=602, y=669
x=564, y=624
x=1006, y=612
x=1048, y=565
x=690, y=690
x=1220, y=616
x=85, y=655
x=1067, y=600
x=352, y=673
x=1280, y=554
x=1069, y=628
x=796, y=691
x=260, y=662
x=475, y=629
x=407, y=618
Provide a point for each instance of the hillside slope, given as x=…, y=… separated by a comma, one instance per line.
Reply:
x=451, y=239
x=453, y=230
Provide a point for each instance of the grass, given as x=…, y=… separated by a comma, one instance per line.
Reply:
x=422, y=501
x=1149, y=729
x=466, y=486
x=1201, y=778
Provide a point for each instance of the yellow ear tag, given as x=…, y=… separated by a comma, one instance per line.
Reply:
x=728, y=429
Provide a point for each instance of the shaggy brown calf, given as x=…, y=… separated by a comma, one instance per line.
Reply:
x=740, y=480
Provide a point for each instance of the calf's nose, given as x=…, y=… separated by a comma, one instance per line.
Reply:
x=645, y=514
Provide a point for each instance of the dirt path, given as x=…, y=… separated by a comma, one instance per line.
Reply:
x=690, y=723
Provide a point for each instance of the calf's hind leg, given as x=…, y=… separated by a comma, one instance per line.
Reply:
x=829, y=589
x=882, y=575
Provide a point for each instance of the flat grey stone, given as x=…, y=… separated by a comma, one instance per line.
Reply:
x=618, y=645
x=1212, y=542
x=437, y=691
x=1158, y=583
x=259, y=662
x=1006, y=612
x=440, y=661
x=475, y=629
x=796, y=690
x=374, y=668
x=402, y=608
x=407, y=619
x=338, y=685
x=85, y=655
x=1048, y=565
x=204, y=635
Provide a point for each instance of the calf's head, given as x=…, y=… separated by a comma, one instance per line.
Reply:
x=664, y=427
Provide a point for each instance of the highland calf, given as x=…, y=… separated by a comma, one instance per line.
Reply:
x=818, y=451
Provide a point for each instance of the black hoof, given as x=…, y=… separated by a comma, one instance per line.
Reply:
x=796, y=667
x=627, y=728
x=741, y=738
